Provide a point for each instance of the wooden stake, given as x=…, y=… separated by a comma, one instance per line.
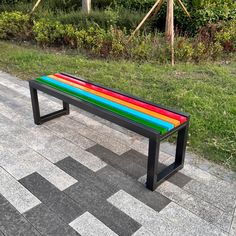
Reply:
x=143, y=20
x=186, y=11
x=170, y=27
x=35, y=6
x=158, y=8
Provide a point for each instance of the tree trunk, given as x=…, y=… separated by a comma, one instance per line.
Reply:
x=170, y=27
x=86, y=6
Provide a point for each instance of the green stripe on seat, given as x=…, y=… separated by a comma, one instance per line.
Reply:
x=107, y=107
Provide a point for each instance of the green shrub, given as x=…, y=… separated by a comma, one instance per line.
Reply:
x=184, y=49
x=49, y=32
x=15, y=25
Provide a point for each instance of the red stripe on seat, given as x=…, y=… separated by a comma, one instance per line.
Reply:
x=124, y=98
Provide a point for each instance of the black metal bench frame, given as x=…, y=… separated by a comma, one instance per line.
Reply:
x=154, y=176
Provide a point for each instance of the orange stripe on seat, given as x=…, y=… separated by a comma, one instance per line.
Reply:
x=127, y=104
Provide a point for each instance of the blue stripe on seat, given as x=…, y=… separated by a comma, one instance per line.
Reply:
x=133, y=112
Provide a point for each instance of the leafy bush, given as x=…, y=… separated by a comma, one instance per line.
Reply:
x=48, y=32
x=15, y=25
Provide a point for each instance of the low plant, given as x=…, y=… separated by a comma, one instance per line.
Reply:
x=15, y=25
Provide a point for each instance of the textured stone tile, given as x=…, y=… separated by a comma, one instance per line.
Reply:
x=118, y=179
x=143, y=232
x=47, y=222
x=233, y=225
x=225, y=220
x=92, y=123
x=15, y=193
x=209, y=180
x=24, y=164
x=43, y=219
x=12, y=85
x=98, y=137
x=173, y=192
x=9, y=113
x=180, y=216
x=202, y=209
x=87, y=224
x=144, y=215
x=119, y=162
x=71, y=131
x=63, y=231
x=93, y=199
x=57, y=201
x=216, y=197
x=86, y=177
x=12, y=223
x=87, y=159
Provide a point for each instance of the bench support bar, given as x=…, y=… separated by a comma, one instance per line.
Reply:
x=36, y=111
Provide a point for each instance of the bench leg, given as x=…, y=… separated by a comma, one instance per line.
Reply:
x=156, y=177
x=153, y=159
x=181, y=146
x=38, y=120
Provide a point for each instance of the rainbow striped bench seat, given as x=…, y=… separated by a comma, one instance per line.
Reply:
x=150, y=120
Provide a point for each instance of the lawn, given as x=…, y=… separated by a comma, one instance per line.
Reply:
x=206, y=91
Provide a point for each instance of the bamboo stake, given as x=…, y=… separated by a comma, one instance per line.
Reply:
x=143, y=20
x=35, y=6
x=186, y=11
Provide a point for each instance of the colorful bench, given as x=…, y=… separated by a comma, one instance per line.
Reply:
x=150, y=120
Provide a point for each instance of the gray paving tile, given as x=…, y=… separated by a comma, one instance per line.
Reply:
x=193, y=223
x=120, y=180
x=28, y=162
x=202, y=209
x=91, y=122
x=87, y=224
x=233, y=225
x=145, y=215
x=93, y=200
x=87, y=159
x=53, y=198
x=64, y=124
x=119, y=162
x=143, y=232
x=173, y=192
x=225, y=220
x=46, y=221
x=12, y=223
x=216, y=197
x=63, y=231
x=15, y=193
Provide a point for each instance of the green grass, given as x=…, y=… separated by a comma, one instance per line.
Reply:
x=207, y=92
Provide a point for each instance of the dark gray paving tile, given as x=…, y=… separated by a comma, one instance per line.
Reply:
x=63, y=231
x=122, y=163
x=116, y=178
x=92, y=200
x=47, y=222
x=85, y=177
x=179, y=179
x=53, y=198
x=91, y=193
x=12, y=223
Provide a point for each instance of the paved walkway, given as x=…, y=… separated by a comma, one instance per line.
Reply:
x=81, y=175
